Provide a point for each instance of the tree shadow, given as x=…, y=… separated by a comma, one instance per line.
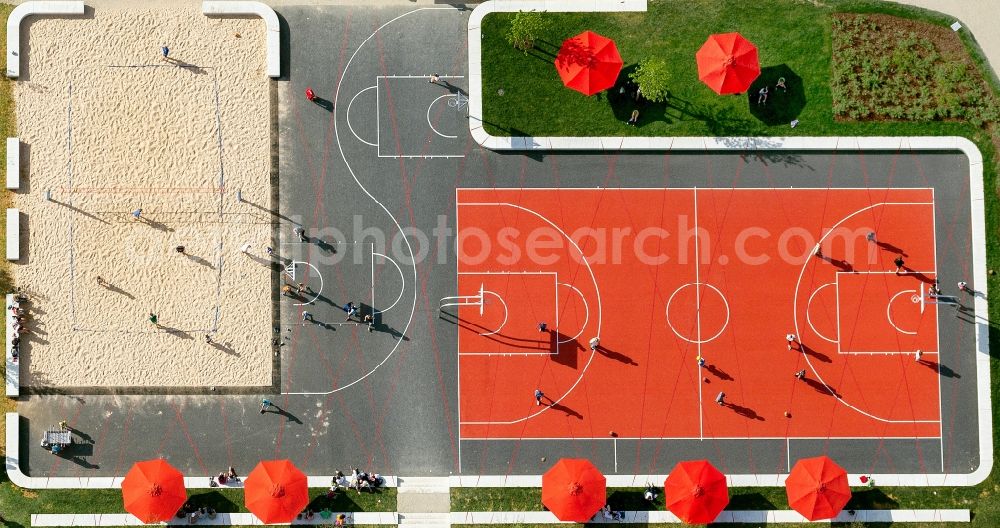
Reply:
x=871, y=499
x=212, y=499
x=781, y=106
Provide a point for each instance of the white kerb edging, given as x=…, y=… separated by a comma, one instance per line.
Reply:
x=728, y=516
x=13, y=163
x=13, y=234
x=239, y=7
x=221, y=519
x=12, y=376
x=67, y=7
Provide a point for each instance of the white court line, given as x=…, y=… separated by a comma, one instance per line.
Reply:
x=402, y=286
x=698, y=339
x=795, y=311
x=586, y=307
x=506, y=312
x=937, y=322
x=318, y=274
x=888, y=313
x=597, y=292
x=347, y=116
x=431, y=105
x=697, y=296
x=354, y=176
x=809, y=318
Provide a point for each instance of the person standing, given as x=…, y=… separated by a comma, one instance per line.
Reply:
x=301, y=233
x=265, y=404
x=701, y=361
x=791, y=339
x=245, y=248
x=800, y=374
x=538, y=396
x=310, y=94
x=166, y=52
x=137, y=214
x=595, y=342
x=306, y=316
x=899, y=264
x=721, y=398
x=434, y=78
x=154, y=319
x=871, y=237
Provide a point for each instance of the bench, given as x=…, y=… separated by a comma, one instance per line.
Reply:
x=13, y=234
x=13, y=163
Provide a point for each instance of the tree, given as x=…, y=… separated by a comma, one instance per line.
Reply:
x=525, y=27
x=652, y=77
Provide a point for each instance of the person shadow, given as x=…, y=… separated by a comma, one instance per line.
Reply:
x=323, y=103
x=719, y=373
x=564, y=409
x=275, y=409
x=744, y=411
x=617, y=356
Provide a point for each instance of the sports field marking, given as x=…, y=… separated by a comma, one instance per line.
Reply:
x=586, y=317
x=809, y=317
x=888, y=309
x=698, y=339
x=506, y=311
x=290, y=271
x=597, y=292
x=431, y=125
x=347, y=116
x=402, y=287
x=378, y=119
x=798, y=331
x=479, y=299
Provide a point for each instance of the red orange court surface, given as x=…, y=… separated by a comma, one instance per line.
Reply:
x=664, y=276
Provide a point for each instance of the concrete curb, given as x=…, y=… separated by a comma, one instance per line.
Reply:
x=240, y=7
x=38, y=8
x=221, y=519
x=728, y=516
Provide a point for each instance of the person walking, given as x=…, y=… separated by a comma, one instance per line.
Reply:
x=306, y=316
x=245, y=248
x=963, y=286
x=538, y=396
x=594, y=343
x=165, y=51
x=101, y=281
x=721, y=398
x=899, y=264
x=800, y=374
x=542, y=327
x=269, y=250
x=310, y=94
x=137, y=214
x=791, y=339
x=154, y=319
x=701, y=361
x=916, y=357
x=208, y=339
x=871, y=237
x=265, y=404
x=301, y=233
x=434, y=78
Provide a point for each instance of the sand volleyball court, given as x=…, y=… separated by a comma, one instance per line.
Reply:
x=112, y=128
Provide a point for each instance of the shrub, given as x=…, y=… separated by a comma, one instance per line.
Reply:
x=525, y=28
x=652, y=77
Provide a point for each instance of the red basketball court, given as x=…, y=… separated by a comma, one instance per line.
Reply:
x=663, y=276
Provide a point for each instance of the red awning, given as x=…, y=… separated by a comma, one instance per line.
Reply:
x=574, y=490
x=153, y=491
x=276, y=491
x=727, y=63
x=588, y=63
x=696, y=492
x=817, y=488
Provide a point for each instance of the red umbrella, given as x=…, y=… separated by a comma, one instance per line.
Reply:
x=817, y=488
x=275, y=491
x=696, y=492
x=573, y=489
x=727, y=63
x=153, y=491
x=588, y=63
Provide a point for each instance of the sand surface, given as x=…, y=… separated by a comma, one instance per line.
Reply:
x=110, y=128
